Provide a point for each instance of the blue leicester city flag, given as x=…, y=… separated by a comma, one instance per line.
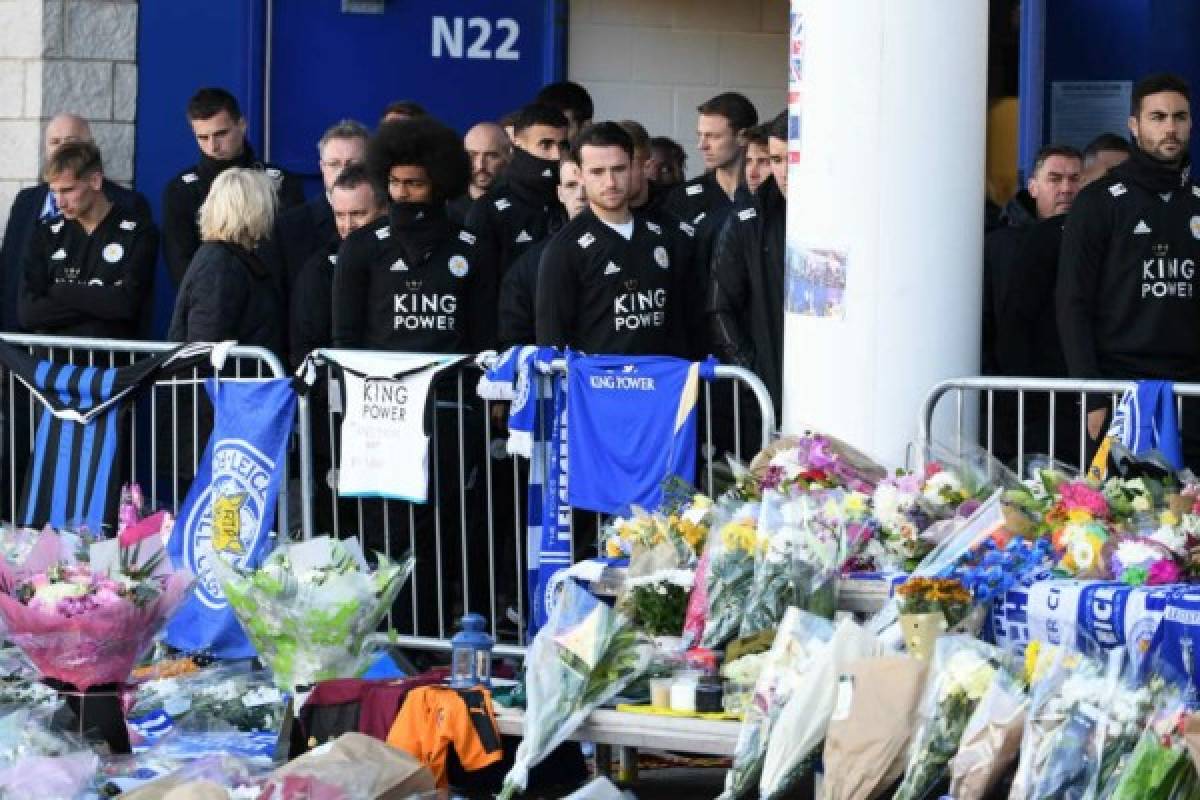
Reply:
x=230, y=508
x=633, y=425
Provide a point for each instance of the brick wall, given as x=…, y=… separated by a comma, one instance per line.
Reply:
x=65, y=55
x=656, y=60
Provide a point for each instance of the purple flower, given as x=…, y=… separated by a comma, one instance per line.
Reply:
x=819, y=454
x=772, y=477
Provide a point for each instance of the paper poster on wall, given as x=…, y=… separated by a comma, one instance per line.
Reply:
x=816, y=281
x=795, y=87
x=1082, y=110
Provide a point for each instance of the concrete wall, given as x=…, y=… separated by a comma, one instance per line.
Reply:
x=65, y=55
x=656, y=60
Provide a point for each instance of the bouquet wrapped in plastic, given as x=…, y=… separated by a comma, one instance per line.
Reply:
x=1085, y=720
x=771, y=590
x=800, y=644
x=86, y=627
x=584, y=656
x=1159, y=767
x=991, y=740
x=229, y=698
x=731, y=550
x=310, y=606
x=38, y=762
x=804, y=717
x=963, y=669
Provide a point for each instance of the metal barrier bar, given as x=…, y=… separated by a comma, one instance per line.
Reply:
x=258, y=361
x=1023, y=391
x=470, y=469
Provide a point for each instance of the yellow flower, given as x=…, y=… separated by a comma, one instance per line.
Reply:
x=701, y=501
x=856, y=504
x=1079, y=515
x=1033, y=672
x=1168, y=518
x=613, y=547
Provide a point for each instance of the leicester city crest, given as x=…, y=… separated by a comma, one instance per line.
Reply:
x=227, y=521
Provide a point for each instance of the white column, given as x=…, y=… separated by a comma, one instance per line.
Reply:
x=887, y=179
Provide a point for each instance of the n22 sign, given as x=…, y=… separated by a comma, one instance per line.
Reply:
x=484, y=38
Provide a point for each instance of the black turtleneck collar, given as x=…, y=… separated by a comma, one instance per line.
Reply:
x=419, y=227
x=210, y=168
x=538, y=177
x=1154, y=174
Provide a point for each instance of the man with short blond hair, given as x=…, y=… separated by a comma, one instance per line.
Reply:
x=36, y=203
x=87, y=272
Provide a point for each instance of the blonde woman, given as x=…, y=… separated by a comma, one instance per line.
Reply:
x=228, y=292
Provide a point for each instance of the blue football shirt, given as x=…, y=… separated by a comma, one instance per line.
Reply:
x=631, y=424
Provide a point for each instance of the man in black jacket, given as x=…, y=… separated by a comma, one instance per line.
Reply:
x=615, y=280
x=36, y=203
x=1027, y=339
x=357, y=200
x=517, y=323
x=522, y=206
x=415, y=281
x=1127, y=274
x=572, y=100
x=489, y=149
x=746, y=290
x=303, y=231
x=220, y=131
x=87, y=272
x=1052, y=186
x=706, y=202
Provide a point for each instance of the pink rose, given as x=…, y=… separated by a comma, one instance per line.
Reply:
x=1163, y=572
x=1079, y=496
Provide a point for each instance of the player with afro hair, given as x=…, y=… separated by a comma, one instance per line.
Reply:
x=425, y=143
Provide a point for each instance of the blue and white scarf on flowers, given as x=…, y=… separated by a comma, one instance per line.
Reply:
x=537, y=431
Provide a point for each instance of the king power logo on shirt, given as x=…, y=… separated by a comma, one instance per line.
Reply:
x=626, y=382
x=1164, y=277
x=640, y=309
x=385, y=400
x=413, y=312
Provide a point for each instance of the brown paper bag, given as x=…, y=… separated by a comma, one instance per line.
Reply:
x=399, y=773
x=990, y=742
x=867, y=739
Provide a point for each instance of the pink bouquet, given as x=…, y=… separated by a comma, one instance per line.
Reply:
x=88, y=628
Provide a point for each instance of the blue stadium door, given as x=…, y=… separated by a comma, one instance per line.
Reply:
x=463, y=60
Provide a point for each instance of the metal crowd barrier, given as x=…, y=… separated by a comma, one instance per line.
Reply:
x=1021, y=417
x=168, y=425
x=470, y=539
